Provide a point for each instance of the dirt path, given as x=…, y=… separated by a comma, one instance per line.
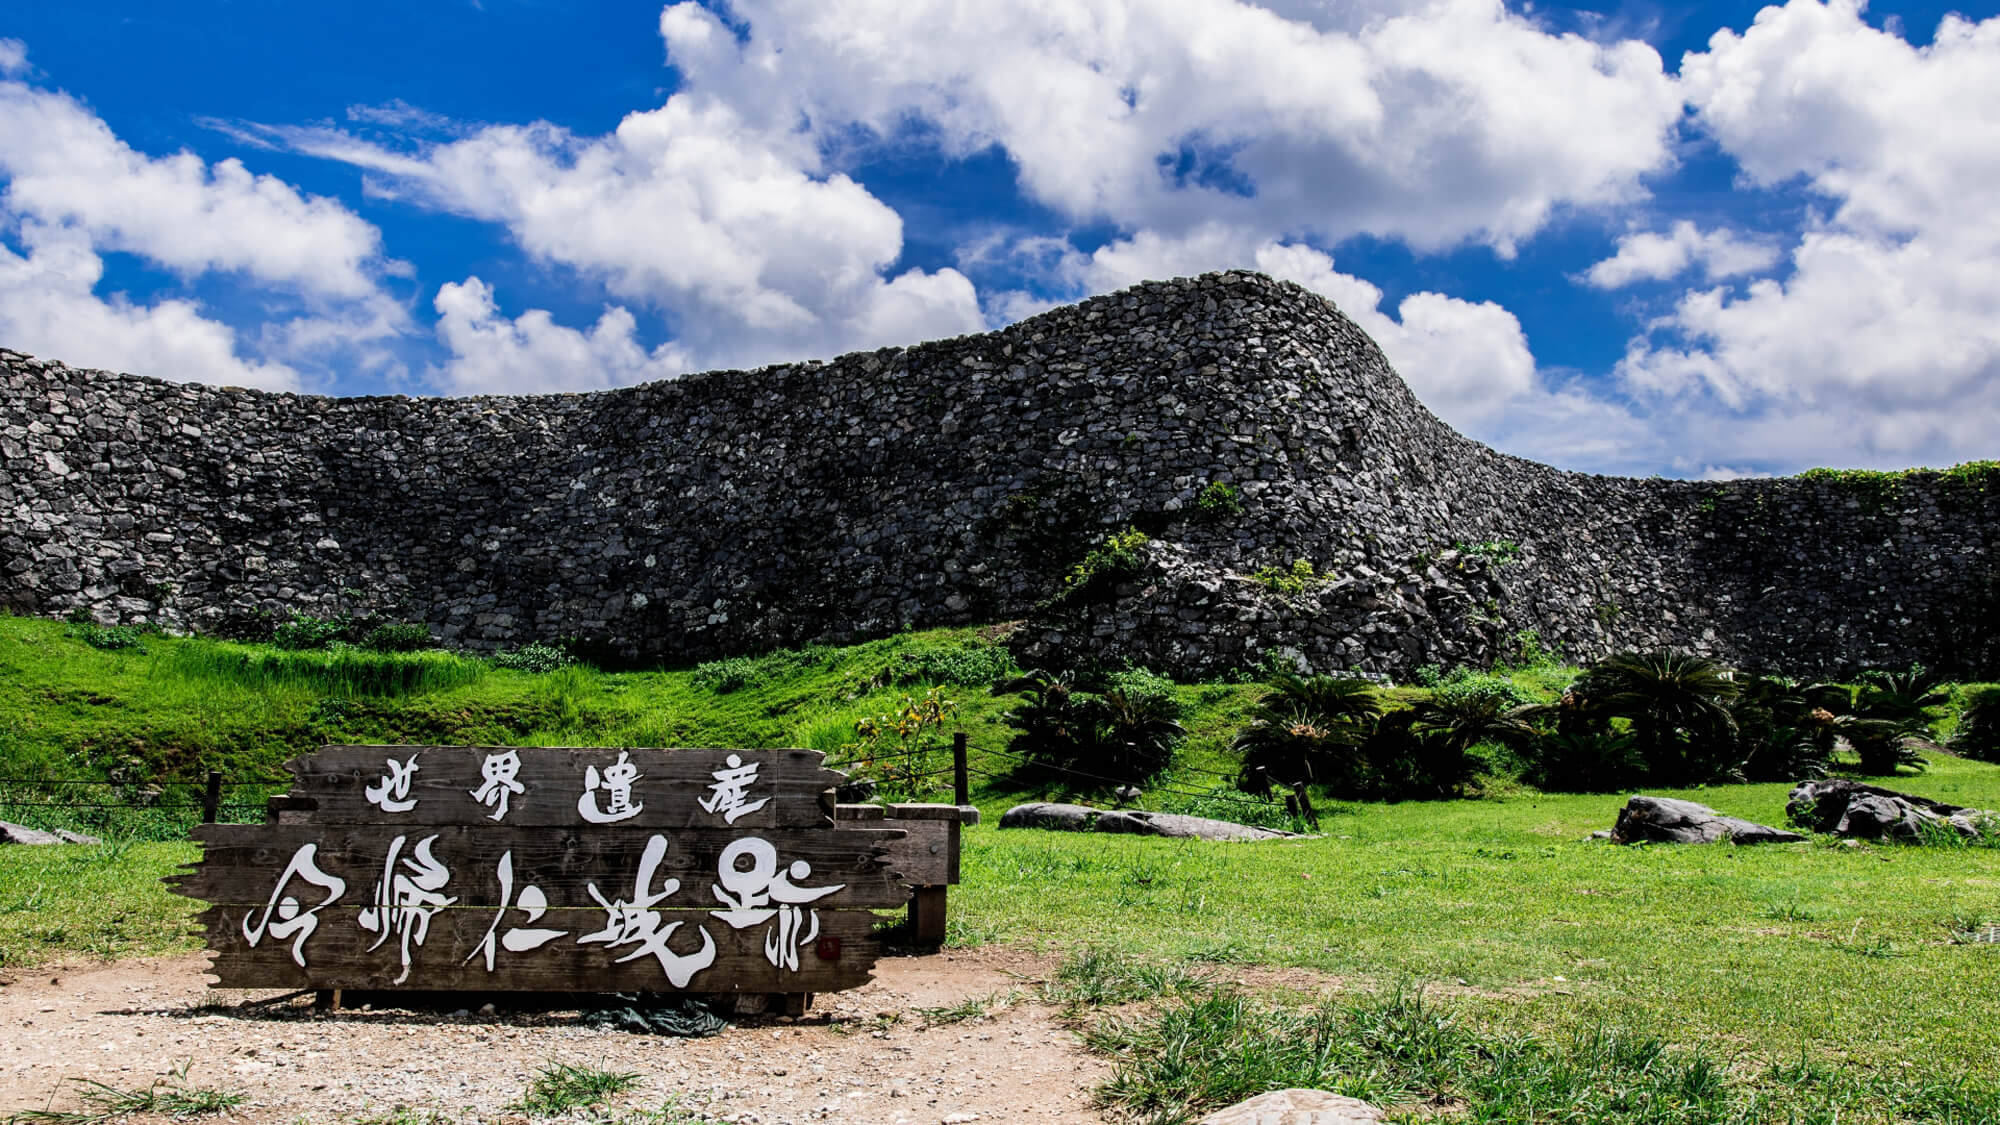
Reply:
x=863, y=1056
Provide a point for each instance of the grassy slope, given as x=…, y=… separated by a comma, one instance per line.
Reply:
x=1843, y=951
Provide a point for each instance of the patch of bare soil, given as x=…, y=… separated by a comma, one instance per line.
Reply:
x=867, y=1055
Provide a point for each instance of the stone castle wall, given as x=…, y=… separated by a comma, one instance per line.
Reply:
x=958, y=482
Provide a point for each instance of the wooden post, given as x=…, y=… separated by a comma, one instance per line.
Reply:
x=927, y=912
x=961, y=785
x=211, y=798
x=1305, y=803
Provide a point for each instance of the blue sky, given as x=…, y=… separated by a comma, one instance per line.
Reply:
x=1693, y=240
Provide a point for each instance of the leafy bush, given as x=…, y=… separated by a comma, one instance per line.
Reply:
x=1133, y=734
x=1786, y=730
x=898, y=750
x=398, y=636
x=1125, y=734
x=724, y=676
x=1586, y=762
x=1463, y=687
x=735, y=673
x=1146, y=684
x=534, y=657
x=304, y=631
x=110, y=638
x=1289, y=581
x=1978, y=733
x=1220, y=498
x=1499, y=552
x=970, y=663
x=1115, y=560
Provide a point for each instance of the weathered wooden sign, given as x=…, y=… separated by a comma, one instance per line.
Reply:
x=560, y=869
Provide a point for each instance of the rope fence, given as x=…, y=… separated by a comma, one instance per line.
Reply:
x=43, y=793
x=138, y=798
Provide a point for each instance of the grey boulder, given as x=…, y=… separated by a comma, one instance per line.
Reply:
x=1666, y=820
x=1869, y=812
x=1083, y=818
x=1041, y=814
x=1297, y=1107
x=1185, y=827
x=22, y=834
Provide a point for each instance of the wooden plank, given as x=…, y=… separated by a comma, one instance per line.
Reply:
x=543, y=786
x=927, y=915
x=337, y=953
x=926, y=854
x=932, y=811
x=243, y=864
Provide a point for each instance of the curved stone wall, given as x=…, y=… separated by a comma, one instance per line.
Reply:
x=957, y=482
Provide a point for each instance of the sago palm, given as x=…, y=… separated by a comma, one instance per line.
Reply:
x=1678, y=705
x=1307, y=728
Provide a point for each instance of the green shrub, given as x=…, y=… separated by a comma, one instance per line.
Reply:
x=1148, y=685
x=1093, y=741
x=972, y=663
x=401, y=636
x=534, y=657
x=1499, y=552
x=110, y=638
x=734, y=673
x=1978, y=733
x=304, y=631
x=1584, y=762
x=1116, y=560
x=1220, y=498
x=723, y=676
x=1290, y=581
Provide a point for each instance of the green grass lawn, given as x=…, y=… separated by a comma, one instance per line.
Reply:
x=1851, y=955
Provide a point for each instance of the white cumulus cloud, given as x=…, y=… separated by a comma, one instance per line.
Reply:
x=1883, y=344
x=63, y=165
x=529, y=354
x=1651, y=256
x=49, y=307
x=1434, y=123
x=734, y=234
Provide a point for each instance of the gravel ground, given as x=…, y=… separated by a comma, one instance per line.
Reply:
x=865, y=1055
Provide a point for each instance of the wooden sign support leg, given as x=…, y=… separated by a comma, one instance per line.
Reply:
x=927, y=912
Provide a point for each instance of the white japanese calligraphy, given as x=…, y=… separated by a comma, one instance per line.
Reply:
x=731, y=788
x=617, y=784
x=637, y=922
x=750, y=893
x=498, y=772
x=405, y=901
x=392, y=792
x=517, y=939
x=292, y=922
